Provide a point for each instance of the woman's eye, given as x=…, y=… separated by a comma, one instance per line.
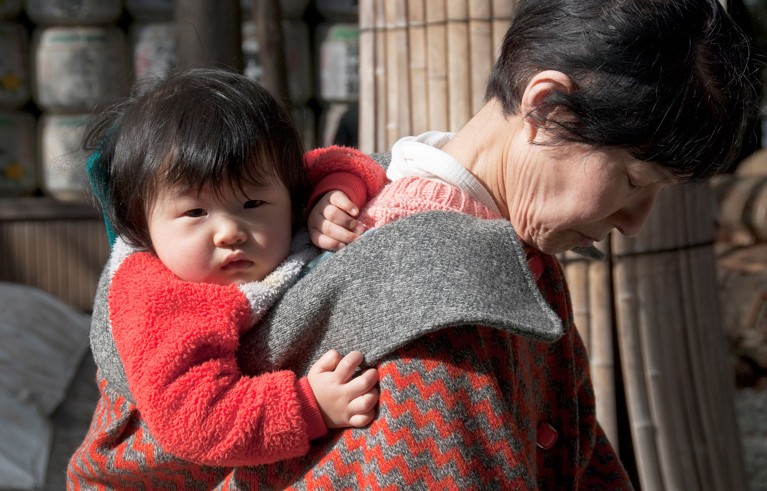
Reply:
x=253, y=203
x=195, y=213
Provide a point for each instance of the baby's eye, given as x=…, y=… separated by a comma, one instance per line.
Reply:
x=195, y=213
x=253, y=203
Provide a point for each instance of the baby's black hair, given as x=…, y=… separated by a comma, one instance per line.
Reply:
x=196, y=128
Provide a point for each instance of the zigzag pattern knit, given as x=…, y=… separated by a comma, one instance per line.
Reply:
x=461, y=408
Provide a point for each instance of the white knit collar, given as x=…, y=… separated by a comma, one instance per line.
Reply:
x=422, y=156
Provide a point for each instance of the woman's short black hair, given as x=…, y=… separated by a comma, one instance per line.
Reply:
x=195, y=128
x=669, y=80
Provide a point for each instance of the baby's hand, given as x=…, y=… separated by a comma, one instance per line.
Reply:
x=344, y=400
x=331, y=222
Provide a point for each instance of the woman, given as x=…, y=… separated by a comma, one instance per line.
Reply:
x=593, y=107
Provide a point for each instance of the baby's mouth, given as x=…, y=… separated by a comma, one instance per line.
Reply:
x=237, y=265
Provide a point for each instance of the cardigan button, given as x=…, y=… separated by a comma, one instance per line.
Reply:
x=536, y=267
x=546, y=436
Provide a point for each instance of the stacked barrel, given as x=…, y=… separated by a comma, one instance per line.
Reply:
x=79, y=61
x=63, y=60
x=18, y=169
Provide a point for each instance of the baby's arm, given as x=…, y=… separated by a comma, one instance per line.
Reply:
x=344, y=400
x=177, y=343
x=343, y=181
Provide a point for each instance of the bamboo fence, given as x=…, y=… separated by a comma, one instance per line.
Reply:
x=649, y=314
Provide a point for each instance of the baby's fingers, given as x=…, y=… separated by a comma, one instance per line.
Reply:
x=364, y=383
x=348, y=366
x=327, y=362
x=360, y=420
x=341, y=233
x=364, y=403
x=342, y=201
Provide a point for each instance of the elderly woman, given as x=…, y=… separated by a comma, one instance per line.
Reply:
x=593, y=107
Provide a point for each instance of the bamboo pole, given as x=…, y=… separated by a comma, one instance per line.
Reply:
x=715, y=374
x=397, y=90
x=402, y=75
x=367, y=122
x=481, y=49
x=436, y=44
x=576, y=272
x=659, y=375
x=672, y=325
x=502, y=12
x=380, y=77
x=601, y=353
x=459, y=80
x=419, y=99
x=642, y=426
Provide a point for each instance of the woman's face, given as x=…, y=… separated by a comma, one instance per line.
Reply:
x=572, y=195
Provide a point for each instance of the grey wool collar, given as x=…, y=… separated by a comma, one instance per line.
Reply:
x=414, y=276
x=417, y=275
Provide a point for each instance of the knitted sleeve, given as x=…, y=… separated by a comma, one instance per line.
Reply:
x=344, y=169
x=177, y=343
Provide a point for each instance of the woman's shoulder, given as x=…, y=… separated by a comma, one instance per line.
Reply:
x=410, y=195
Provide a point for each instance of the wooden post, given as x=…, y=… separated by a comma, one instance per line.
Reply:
x=267, y=16
x=209, y=34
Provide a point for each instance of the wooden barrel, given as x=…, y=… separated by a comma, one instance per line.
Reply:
x=18, y=169
x=14, y=68
x=339, y=62
x=77, y=68
x=69, y=13
x=62, y=160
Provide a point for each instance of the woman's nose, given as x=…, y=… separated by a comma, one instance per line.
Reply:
x=630, y=219
x=229, y=232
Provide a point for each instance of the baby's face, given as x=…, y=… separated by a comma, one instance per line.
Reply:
x=234, y=239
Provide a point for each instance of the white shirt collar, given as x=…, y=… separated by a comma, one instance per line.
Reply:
x=422, y=156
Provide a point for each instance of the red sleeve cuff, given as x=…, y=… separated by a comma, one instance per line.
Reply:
x=352, y=185
x=315, y=426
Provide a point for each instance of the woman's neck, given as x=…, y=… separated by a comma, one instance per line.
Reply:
x=484, y=146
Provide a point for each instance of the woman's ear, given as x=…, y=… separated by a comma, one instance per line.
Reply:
x=537, y=112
